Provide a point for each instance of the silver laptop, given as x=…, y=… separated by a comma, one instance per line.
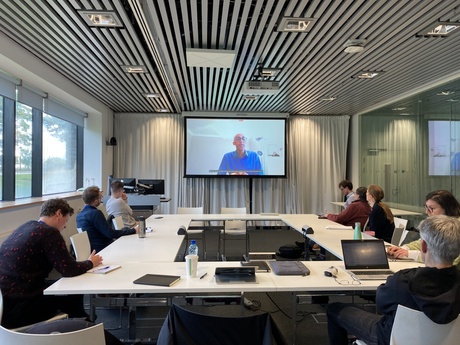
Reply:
x=366, y=259
x=236, y=275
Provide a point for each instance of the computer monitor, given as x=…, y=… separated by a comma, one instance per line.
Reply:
x=151, y=186
x=128, y=182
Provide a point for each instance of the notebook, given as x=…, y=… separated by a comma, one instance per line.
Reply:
x=366, y=259
x=236, y=275
x=157, y=279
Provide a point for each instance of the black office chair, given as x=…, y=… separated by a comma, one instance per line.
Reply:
x=223, y=325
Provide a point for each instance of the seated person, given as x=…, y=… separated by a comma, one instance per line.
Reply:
x=358, y=211
x=439, y=202
x=433, y=289
x=381, y=220
x=27, y=256
x=117, y=204
x=240, y=161
x=93, y=221
x=346, y=187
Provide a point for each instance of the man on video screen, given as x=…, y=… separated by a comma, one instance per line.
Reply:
x=240, y=161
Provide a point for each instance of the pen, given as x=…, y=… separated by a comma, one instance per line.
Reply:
x=204, y=275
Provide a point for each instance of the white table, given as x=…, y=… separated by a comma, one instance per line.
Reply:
x=157, y=251
x=396, y=211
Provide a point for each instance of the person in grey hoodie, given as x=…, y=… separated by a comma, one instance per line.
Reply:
x=433, y=289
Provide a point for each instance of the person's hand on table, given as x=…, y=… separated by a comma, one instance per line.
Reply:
x=397, y=252
x=136, y=228
x=96, y=259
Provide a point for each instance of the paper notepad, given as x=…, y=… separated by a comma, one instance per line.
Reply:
x=339, y=227
x=104, y=269
x=157, y=279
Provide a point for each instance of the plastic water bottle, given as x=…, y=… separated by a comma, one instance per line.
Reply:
x=193, y=248
x=357, y=234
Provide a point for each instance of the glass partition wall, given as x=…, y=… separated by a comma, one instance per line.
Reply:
x=412, y=147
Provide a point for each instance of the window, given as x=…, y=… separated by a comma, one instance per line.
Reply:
x=59, y=155
x=23, y=151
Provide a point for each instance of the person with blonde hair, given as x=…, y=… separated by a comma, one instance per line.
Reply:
x=381, y=220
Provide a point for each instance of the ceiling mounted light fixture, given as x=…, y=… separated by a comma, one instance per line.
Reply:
x=354, y=46
x=291, y=24
x=445, y=93
x=439, y=29
x=328, y=99
x=367, y=74
x=161, y=110
x=250, y=97
x=398, y=108
x=152, y=95
x=101, y=18
x=135, y=69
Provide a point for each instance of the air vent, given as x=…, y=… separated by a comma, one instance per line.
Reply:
x=256, y=87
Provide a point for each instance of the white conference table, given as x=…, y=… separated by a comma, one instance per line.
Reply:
x=396, y=211
x=157, y=251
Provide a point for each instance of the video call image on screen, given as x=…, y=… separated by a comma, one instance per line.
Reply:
x=444, y=148
x=212, y=146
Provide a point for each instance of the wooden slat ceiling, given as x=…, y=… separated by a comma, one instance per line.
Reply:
x=156, y=34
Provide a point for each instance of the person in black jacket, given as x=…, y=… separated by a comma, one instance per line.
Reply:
x=433, y=289
x=381, y=220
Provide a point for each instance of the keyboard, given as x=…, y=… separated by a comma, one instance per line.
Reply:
x=369, y=273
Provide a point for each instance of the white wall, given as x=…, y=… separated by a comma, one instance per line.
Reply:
x=13, y=217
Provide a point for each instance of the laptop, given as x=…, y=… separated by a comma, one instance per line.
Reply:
x=366, y=259
x=236, y=275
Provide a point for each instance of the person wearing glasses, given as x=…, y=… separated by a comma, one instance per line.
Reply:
x=93, y=221
x=433, y=289
x=346, y=187
x=240, y=161
x=439, y=202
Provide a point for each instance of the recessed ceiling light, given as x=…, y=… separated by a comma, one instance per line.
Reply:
x=135, y=69
x=439, y=29
x=445, y=93
x=328, y=99
x=152, y=95
x=161, y=110
x=398, y=108
x=367, y=74
x=452, y=100
x=101, y=18
x=405, y=114
x=291, y=24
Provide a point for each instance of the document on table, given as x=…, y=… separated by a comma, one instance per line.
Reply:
x=104, y=269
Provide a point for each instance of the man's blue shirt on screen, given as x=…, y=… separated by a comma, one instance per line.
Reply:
x=248, y=164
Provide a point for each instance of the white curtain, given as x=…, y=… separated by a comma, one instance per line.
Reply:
x=151, y=146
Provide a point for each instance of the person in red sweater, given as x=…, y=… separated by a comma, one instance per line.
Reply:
x=27, y=256
x=358, y=211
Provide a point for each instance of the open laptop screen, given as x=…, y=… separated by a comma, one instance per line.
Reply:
x=364, y=254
